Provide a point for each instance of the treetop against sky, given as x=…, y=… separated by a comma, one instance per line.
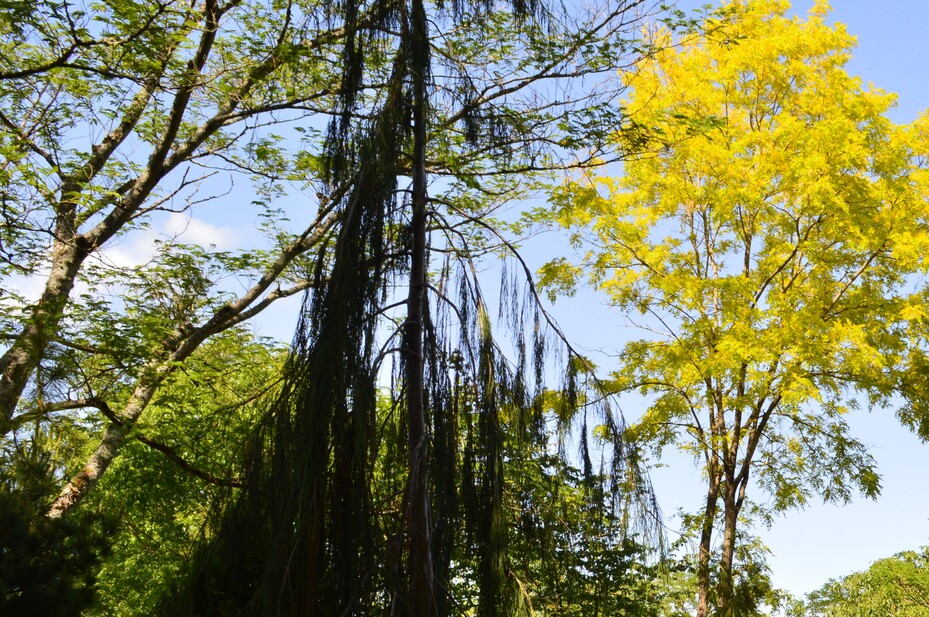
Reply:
x=772, y=199
x=876, y=45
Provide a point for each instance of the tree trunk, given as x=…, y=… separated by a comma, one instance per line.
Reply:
x=21, y=359
x=422, y=588
x=706, y=543
x=726, y=593
x=113, y=439
x=149, y=380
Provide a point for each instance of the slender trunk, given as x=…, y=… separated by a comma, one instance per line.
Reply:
x=147, y=383
x=706, y=543
x=21, y=359
x=151, y=376
x=726, y=593
x=113, y=439
x=422, y=589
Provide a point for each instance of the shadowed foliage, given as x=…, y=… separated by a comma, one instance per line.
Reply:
x=356, y=503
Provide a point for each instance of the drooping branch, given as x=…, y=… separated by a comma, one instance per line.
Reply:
x=172, y=455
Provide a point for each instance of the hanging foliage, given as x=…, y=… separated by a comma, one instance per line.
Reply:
x=360, y=503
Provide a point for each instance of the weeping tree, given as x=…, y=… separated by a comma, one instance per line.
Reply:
x=377, y=479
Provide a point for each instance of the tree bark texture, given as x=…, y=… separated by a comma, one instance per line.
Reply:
x=726, y=592
x=20, y=360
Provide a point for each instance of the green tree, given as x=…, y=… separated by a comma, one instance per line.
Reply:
x=772, y=241
x=187, y=451
x=47, y=567
x=166, y=92
x=249, y=110
x=898, y=585
x=117, y=553
x=449, y=102
x=112, y=114
x=124, y=337
x=568, y=545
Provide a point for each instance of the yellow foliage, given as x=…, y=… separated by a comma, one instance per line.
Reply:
x=778, y=194
x=773, y=231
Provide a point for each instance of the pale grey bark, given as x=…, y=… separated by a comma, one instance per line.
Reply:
x=113, y=439
x=19, y=361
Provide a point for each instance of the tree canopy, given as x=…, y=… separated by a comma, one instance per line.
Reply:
x=426, y=445
x=897, y=585
x=381, y=457
x=773, y=240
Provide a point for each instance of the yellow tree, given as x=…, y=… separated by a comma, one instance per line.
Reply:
x=773, y=242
